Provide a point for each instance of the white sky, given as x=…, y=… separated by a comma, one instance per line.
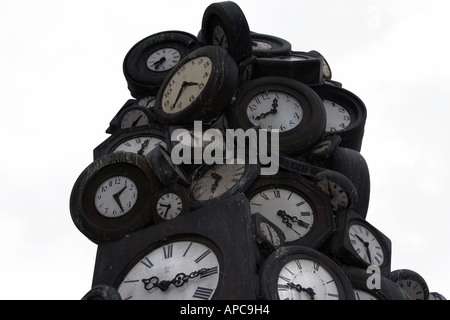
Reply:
x=61, y=83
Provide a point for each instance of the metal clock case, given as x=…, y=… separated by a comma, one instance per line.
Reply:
x=387, y=290
x=346, y=114
x=301, y=273
x=110, y=197
x=198, y=88
x=181, y=259
x=212, y=182
x=169, y=202
x=264, y=45
x=291, y=202
x=148, y=62
x=298, y=66
x=412, y=283
x=352, y=165
x=280, y=103
x=224, y=24
x=102, y=292
x=326, y=69
x=139, y=140
x=358, y=243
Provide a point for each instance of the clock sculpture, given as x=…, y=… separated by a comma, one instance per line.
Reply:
x=179, y=212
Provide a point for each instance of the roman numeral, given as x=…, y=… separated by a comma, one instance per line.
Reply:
x=203, y=293
x=168, y=251
x=204, y=254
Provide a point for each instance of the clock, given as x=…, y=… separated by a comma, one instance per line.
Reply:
x=326, y=69
x=352, y=164
x=323, y=149
x=110, y=197
x=412, y=283
x=346, y=114
x=168, y=203
x=198, y=88
x=148, y=62
x=264, y=45
x=181, y=259
x=293, y=204
x=301, y=273
x=358, y=243
x=299, y=66
x=224, y=25
x=139, y=140
x=136, y=116
x=268, y=235
x=436, y=296
x=213, y=182
x=365, y=289
x=283, y=104
x=339, y=188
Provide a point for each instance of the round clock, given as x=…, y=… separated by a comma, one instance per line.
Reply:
x=339, y=188
x=177, y=270
x=214, y=182
x=387, y=289
x=264, y=45
x=170, y=202
x=326, y=69
x=290, y=202
x=282, y=104
x=110, y=197
x=198, y=88
x=301, y=273
x=267, y=234
x=346, y=114
x=224, y=25
x=149, y=61
x=357, y=243
x=136, y=116
x=412, y=283
x=139, y=140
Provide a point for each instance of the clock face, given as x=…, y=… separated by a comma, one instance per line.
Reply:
x=163, y=59
x=275, y=110
x=186, y=84
x=306, y=279
x=286, y=209
x=220, y=38
x=412, y=288
x=179, y=270
x=116, y=196
x=363, y=295
x=270, y=234
x=338, y=196
x=217, y=181
x=338, y=118
x=134, y=118
x=169, y=206
x=366, y=244
x=141, y=145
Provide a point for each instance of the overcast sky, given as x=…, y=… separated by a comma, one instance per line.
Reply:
x=61, y=82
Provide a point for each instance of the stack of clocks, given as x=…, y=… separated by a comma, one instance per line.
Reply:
x=234, y=172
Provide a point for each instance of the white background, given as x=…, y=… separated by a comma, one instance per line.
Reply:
x=61, y=82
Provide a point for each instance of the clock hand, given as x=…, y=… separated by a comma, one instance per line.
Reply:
x=179, y=280
x=143, y=146
x=272, y=111
x=117, y=195
x=285, y=218
x=299, y=288
x=136, y=121
x=217, y=177
x=183, y=85
x=158, y=63
x=366, y=244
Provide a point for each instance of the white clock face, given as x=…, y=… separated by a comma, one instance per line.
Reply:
x=115, y=196
x=186, y=85
x=413, y=289
x=286, y=209
x=338, y=118
x=305, y=279
x=366, y=245
x=169, y=206
x=275, y=110
x=140, y=145
x=216, y=181
x=363, y=295
x=181, y=270
x=134, y=118
x=163, y=59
